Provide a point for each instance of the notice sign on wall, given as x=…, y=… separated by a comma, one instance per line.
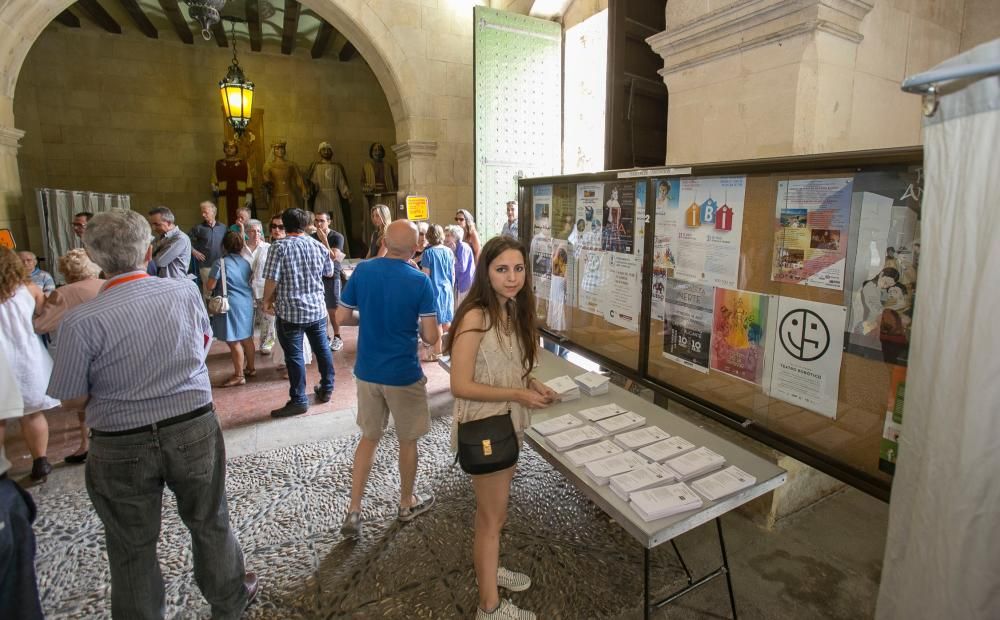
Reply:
x=7, y=239
x=416, y=208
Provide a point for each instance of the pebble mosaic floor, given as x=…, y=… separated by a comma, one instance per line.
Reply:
x=287, y=505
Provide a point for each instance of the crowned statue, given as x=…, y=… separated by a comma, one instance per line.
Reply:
x=232, y=184
x=329, y=192
x=283, y=184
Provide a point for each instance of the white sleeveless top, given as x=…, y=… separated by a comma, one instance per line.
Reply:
x=497, y=364
x=28, y=359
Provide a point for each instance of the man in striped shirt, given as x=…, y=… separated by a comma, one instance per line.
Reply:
x=134, y=358
x=293, y=291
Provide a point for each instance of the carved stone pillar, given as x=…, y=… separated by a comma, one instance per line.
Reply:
x=11, y=215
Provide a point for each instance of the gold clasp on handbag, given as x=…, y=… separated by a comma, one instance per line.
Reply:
x=487, y=448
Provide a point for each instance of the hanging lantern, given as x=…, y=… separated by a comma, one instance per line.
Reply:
x=237, y=94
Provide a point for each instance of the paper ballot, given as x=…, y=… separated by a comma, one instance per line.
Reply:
x=659, y=502
x=594, y=414
x=592, y=383
x=651, y=475
x=566, y=388
x=619, y=423
x=723, y=483
x=574, y=437
x=592, y=452
x=602, y=469
x=557, y=425
x=696, y=462
x=663, y=450
x=633, y=440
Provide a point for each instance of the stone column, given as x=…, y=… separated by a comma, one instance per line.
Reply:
x=759, y=78
x=11, y=215
x=417, y=175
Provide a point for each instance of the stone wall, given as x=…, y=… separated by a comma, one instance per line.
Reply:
x=126, y=114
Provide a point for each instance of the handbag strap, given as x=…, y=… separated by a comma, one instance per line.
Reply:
x=223, y=267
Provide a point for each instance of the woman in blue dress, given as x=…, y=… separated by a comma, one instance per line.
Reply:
x=235, y=327
x=438, y=263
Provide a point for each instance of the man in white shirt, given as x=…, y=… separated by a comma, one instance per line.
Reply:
x=255, y=252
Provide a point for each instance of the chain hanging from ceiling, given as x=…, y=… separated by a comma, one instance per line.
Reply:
x=207, y=13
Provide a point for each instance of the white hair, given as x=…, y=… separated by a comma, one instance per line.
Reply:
x=455, y=231
x=210, y=204
x=252, y=223
x=117, y=240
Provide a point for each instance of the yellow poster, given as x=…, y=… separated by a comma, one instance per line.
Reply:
x=416, y=208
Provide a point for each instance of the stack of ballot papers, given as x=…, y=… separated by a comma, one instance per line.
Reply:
x=574, y=437
x=651, y=475
x=668, y=448
x=723, y=483
x=565, y=388
x=601, y=470
x=594, y=414
x=586, y=454
x=659, y=502
x=633, y=440
x=621, y=423
x=592, y=383
x=696, y=463
x=557, y=424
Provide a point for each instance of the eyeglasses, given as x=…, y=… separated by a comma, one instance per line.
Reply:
x=277, y=227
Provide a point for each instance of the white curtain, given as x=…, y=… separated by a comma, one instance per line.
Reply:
x=56, y=208
x=942, y=556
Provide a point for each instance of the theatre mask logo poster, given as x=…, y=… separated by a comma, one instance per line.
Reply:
x=738, y=336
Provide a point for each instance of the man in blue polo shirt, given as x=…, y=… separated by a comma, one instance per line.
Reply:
x=392, y=298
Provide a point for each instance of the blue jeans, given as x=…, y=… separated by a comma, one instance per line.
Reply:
x=18, y=586
x=290, y=339
x=125, y=479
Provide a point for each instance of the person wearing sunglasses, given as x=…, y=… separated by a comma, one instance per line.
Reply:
x=468, y=223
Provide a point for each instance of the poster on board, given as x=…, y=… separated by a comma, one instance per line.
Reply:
x=541, y=265
x=623, y=293
x=709, y=231
x=807, y=345
x=556, y=313
x=687, y=326
x=811, y=225
x=541, y=205
x=589, y=210
x=563, y=210
x=618, y=218
x=593, y=276
x=739, y=334
x=892, y=428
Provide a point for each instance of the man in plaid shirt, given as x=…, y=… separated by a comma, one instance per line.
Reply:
x=293, y=292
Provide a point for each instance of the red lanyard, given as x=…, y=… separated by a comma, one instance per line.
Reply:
x=123, y=279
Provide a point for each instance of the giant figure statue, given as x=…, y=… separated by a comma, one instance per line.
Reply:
x=232, y=184
x=281, y=181
x=329, y=192
x=378, y=182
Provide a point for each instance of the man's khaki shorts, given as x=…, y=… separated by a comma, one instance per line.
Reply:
x=408, y=404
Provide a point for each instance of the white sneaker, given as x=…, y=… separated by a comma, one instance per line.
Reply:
x=505, y=611
x=510, y=580
x=336, y=343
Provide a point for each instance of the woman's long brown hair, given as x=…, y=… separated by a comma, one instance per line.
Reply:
x=12, y=273
x=521, y=308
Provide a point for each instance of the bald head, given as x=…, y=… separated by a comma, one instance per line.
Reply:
x=401, y=239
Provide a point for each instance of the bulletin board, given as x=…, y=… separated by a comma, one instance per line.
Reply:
x=773, y=295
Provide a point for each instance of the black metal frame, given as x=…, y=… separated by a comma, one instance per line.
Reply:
x=693, y=584
x=858, y=161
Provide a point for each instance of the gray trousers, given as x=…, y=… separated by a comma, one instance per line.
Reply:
x=125, y=479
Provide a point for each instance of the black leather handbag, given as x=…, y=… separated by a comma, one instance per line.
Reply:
x=487, y=445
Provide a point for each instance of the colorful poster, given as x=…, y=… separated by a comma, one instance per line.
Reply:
x=623, y=293
x=541, y=202
x=889, y=445
x=588, y=216
x=640, y=217
x=618, y=218
x=563, y=210
x=708, y=234
x=555, y=317
x=812, y=218
x=687, y=327
x=807, y=344
x=738, y=334
x=541, y=266
x=665, y=192
x=592, y=278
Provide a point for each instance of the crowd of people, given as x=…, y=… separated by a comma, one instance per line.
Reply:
x=422, y=287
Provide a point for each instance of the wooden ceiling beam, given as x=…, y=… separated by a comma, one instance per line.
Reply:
x=68, y=19
x=347, y=52
x=322, y=41
x=291, y=26
x=173, y=13
x=219, y=33
x=141, y=21
x=101, y=17
x=253, y=24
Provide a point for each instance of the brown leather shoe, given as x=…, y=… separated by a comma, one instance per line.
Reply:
x=252, y=585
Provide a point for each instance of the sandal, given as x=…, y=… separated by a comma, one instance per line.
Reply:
x=234, y=381
x=249, y=372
